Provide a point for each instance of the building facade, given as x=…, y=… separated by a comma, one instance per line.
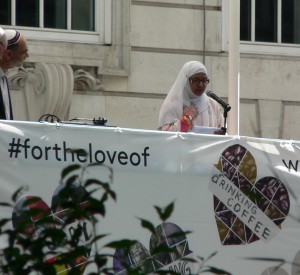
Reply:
x=118, y=58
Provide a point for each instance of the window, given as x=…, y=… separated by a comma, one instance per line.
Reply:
x=291, y=21
x=275, y=21
x=266, y=26
x=69, y=20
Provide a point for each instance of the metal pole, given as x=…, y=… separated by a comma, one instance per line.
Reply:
x=234, y=67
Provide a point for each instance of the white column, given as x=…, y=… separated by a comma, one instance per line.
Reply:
x=234, y=67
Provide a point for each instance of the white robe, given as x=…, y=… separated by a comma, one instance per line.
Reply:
x=181, y=95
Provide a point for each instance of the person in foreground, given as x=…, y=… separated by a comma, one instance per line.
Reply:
x=3, y=42
x=4, y=97
x=17, y=50
x=187, y=104
x=14, y=56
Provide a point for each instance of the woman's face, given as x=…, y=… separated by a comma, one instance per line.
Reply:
x=198, y=83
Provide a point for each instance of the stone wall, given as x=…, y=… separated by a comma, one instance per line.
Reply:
x=127, y=81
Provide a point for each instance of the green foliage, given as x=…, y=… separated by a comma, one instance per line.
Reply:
x=29, y=253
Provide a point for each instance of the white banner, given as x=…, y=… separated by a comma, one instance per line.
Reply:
x=238, y=195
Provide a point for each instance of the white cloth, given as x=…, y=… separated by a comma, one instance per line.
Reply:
x=12, y=36
x=3, y=39
x=5, y=95
x=181, y=94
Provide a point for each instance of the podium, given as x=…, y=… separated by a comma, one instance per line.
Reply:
x=205, y=130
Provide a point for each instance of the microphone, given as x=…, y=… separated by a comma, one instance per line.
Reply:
x=224, y=104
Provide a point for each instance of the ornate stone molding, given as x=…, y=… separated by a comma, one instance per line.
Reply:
x=17, y=77
x=86, y=81
x=48, y=89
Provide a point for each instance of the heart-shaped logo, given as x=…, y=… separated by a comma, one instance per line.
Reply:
x=31, y=210
x=246, y=210
x=167, y=235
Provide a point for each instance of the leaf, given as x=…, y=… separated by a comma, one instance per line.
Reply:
x=148, y=225
x=19, y=192
x=89, y=182
x=5, y=204
x=94, y=206
x=212, y=255
x=71, y=180
x=4, y=222
x=266, y=259
x=166, y=213
x=99, y=237
x=69, y=169
x=125, y=244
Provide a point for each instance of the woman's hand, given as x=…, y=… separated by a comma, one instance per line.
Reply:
x=191, y=110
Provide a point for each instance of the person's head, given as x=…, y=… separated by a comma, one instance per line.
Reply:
x=197, y=78
x=17, y=50
x=3, y=42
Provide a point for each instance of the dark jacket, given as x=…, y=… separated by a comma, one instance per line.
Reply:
x=2, y=106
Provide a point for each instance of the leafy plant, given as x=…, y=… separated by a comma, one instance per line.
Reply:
x=64, y=239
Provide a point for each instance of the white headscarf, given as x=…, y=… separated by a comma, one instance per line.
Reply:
x=181, y=94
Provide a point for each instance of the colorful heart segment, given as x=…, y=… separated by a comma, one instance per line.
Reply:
x=267, y=194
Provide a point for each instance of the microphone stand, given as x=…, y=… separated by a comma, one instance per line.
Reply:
x=226, y=110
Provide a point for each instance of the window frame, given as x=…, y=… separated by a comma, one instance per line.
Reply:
x=101, y=35
x=252, y=46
